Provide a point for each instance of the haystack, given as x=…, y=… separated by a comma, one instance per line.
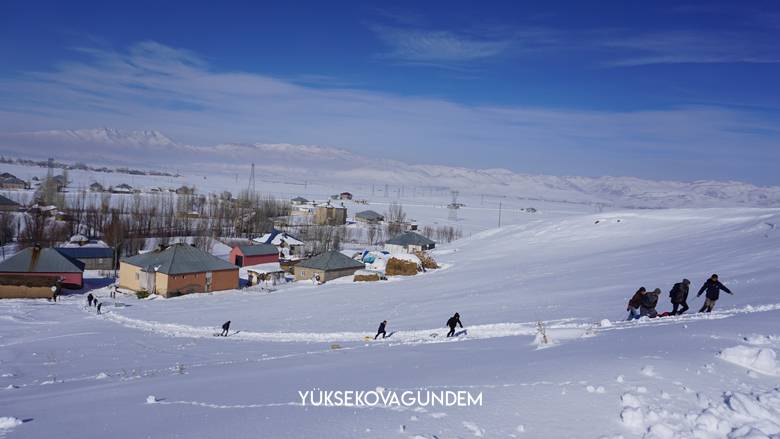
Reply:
x=366, y=276
x=427, y=260
x=400, y=267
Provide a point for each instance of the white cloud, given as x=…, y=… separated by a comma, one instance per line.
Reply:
x=434, y=46
x=152, y=86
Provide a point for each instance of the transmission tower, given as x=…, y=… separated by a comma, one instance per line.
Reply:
x=454, y=206
x=251, y=188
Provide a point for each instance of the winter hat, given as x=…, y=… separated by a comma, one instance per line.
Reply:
x=686, y=282
x=657, y=291
x=714, y=276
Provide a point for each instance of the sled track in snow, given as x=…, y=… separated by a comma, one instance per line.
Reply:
x=574, y=327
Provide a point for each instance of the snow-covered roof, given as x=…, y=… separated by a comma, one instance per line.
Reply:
x=276, y=238
x=369, y=215
x=270, y=267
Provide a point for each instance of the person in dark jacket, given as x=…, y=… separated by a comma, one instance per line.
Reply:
x=713, y=288
x=635, y=303
x=90, y=298
x=649, y=302
x=453, y=322
x=225, y=329
x=381, y=330
x=679, y=296
x=99, y=306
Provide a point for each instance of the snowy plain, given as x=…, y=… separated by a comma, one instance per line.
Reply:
x=66, y=371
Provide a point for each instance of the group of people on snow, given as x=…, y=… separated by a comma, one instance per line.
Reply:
x=643, y=302
x=452, y=323
x=92, y=300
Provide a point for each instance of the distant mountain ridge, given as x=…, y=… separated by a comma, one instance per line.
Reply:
x=327, y=164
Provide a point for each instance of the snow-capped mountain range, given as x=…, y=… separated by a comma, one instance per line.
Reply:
x=318, y=163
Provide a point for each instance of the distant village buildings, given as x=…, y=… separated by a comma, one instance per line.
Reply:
x=10, y=181
x=330, y=215
x=288, y=246
x=8, y=205
x=123, y=188
x=94, y=254
x=369, y=217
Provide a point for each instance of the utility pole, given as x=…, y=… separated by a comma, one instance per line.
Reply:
x=499, y=214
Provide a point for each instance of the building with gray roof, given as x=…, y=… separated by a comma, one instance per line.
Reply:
x=409, y=242
x=176, y=270
x=327, y=266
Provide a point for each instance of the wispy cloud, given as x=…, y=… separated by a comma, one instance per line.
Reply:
x=437, y=46
x=153, y=86
x=699, y=47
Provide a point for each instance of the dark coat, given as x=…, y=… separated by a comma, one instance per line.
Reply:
x=679, y=293
x=226, y=326
x=381, y=328
x=713, y=289
x=649, y=300
x=636, y=300
x=453, y=322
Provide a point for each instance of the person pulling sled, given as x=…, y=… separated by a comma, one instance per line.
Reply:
x=381, y=330
x=225, y=329
x=679, y=296
x=453, y=322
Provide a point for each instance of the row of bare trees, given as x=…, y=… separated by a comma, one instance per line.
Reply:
x=127, y=221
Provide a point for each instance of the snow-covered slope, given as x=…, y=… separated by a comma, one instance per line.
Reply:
x=65, y=370
x=327, y=165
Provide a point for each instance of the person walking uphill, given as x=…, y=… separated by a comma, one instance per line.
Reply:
x=649, y=302
x=453, y=322
x=90, y=298
x=225, y=329
x=679, y=296
x=713, y=288
x=381, y=330
x=635, y=303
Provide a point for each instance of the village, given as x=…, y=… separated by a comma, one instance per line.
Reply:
x=167, y=242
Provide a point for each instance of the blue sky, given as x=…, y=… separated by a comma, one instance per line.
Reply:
x=652, y=89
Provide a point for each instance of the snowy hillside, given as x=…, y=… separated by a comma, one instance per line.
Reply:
x=333, y=166
x=65, y=370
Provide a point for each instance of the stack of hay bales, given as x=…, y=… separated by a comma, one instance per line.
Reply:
x=367, y=276
x=427, y=260
x=403, y=265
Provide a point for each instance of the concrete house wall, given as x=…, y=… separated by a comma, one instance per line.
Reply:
x=302, y=273
x=132, y=278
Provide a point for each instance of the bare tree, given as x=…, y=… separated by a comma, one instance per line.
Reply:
x=395, y=217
